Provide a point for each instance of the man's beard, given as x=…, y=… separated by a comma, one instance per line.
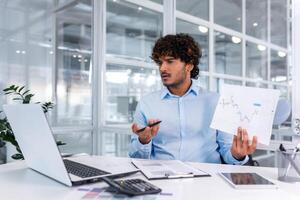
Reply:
x=177, y=82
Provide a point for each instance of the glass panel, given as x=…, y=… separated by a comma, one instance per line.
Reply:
x=24, y=52
x=228, y=13
x=200, y=34
x=256, y=63
x=257, y=84
x=13, y=46
x=228, y=54
x=116, y=144
x=220, y=81
x=203, y=82
x=279, y=22
x=79, y=142
x=194, y=7
x=124, y=87
x=264, y=158
x=40, y=59
x=278, y=66
x=257, y=18
x=132, y=30
x=156, y=1
x=283, y=91
x=74, y=66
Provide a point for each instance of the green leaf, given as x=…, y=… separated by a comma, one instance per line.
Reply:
x=6, y=89
x=60, y=143
x=21, y=88
x=17, y=98
x=27, y=98
x=8, y=93
x=18, y=156
x=25, y=92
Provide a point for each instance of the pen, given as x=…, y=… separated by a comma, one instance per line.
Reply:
x=150, y=125
x=291, y=161
x=184, y=175
x=294, y=154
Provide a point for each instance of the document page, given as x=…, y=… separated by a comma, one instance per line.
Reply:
x=247, y=107
x=160, y=169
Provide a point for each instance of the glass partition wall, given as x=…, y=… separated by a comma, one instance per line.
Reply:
x=92, y=58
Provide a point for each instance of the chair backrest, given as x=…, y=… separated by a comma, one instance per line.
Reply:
x=283, y=111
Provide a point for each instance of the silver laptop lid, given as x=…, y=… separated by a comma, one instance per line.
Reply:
x=36, y=141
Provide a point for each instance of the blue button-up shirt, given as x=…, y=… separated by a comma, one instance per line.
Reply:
x=185, y=132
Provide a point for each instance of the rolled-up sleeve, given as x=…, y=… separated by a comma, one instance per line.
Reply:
x=224, y=141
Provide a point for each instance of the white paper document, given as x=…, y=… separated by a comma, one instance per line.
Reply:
x=247, y=107
x=166, y=169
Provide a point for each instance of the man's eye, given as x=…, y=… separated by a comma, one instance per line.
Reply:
x=169, y=61
x=158, y=63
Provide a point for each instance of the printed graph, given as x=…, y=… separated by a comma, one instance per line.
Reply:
x=234, y=106
x=246, y=107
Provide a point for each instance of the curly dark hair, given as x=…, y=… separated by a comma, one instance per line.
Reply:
x=181, y=46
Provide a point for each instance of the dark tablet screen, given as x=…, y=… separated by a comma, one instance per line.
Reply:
x=246, y=179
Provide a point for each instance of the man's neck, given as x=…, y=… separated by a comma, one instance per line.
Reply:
x=181, y=89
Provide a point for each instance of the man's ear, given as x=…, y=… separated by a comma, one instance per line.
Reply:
x=190, y=67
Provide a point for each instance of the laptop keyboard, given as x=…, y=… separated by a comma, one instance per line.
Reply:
x=82, y=170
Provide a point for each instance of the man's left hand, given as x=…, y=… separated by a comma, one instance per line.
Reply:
x=240, y=146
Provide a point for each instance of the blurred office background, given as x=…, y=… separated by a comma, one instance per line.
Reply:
x=91, y=58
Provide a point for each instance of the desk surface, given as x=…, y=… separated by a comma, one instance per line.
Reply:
x=19, y=182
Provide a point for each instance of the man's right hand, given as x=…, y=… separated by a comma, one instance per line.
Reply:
x=146, y=136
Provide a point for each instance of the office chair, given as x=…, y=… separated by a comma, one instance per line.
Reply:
x=282, y=113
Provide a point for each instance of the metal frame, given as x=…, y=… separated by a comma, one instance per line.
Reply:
x=99, y=46
x=169, y=20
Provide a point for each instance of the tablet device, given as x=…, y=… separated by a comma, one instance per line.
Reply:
x=247, y=181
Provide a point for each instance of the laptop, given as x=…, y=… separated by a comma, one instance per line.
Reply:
x=36, y=141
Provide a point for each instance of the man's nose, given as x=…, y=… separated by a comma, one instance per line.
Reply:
x=163, y=66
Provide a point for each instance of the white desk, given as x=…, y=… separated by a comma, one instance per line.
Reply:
x=19, y=182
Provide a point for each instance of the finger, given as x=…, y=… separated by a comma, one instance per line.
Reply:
x=245, y=139
x=151, y=121
x=155, y=130
x=239, y=139
x=134, y=128
x=234, y=143
x=253, y=146
x=146, y=133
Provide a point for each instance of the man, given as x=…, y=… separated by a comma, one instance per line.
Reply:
x=186, y=112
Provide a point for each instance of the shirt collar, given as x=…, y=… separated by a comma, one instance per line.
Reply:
x=194, y=89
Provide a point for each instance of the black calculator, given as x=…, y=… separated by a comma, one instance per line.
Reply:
x=131, y=187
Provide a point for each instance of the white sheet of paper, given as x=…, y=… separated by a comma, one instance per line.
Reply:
x=247, y=107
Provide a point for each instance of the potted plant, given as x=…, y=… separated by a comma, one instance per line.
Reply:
x=6, y=134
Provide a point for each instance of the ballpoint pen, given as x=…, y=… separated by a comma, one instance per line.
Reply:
x=291, y=160
x=294, y=154
x=180, y=175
